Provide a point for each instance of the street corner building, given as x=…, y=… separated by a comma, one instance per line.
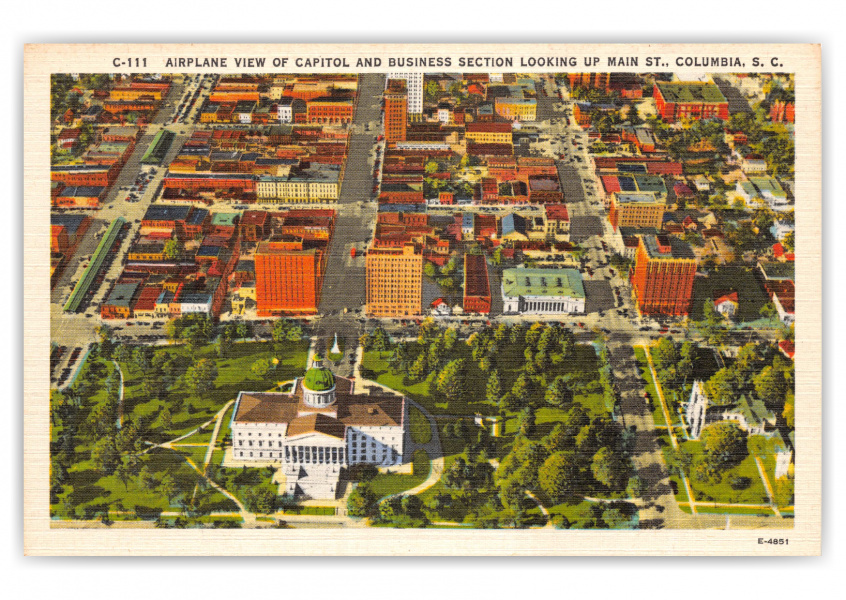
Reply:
x=317, y=429
x=542, y=291
x=395, y=281
x=665, y=268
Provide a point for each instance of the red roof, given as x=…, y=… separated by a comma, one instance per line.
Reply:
x=610, y=183
x=789, y=256
x=556, y=212
x=147, y=297
x=778, y=250
x=488, y=127
x=438, y=302
x=723, y=296
x=254, y=217
x=787, y=348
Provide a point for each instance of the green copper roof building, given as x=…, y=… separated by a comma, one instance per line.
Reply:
x=543, y=282
x=318, y=378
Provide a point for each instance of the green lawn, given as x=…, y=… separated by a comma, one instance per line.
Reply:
x=88, y=490
x=390, y=484
x=750, y=294
x=722, y=491
x=509, y=360
x=197, y=454
x=421, y=431
x=234, y=375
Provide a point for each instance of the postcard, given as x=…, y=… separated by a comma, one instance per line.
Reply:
x=422, y=299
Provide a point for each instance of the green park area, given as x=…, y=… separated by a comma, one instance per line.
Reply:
x=100, y=464
x=548, y=436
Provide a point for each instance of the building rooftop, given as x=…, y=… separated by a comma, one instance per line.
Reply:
x=122, y=294
x=360, y=410
x=778, y=271
x=318, y=378
x=542, y=282
x=636, y=198
x=665, y=246
x=690, y=91
x=224, y=219
x=167, y=212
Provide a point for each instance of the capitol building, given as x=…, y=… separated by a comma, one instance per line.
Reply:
x=317, y=429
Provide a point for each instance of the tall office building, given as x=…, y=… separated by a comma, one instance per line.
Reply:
x=664, y=272
x=414, y=84
x=396, y=111
x=395, y=281
x=288, y=278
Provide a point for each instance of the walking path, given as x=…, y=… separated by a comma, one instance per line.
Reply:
x=542, y=509
x=213, y=440
x=667, y=420
x=767, y=486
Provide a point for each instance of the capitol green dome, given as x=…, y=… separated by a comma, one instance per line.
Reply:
x=318, y=378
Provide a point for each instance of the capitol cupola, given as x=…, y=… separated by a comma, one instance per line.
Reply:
x=318, y=385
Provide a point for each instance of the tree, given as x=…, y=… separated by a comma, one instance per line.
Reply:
x=526, y=421
x=721, y=387
x=783, y=491
x=521, y=389
x=200, y=378
x=770, y=385
x=431, y=167
x=768, y=311
x=614, y=518
x=664, y=354
x=493, y=390
x=557, y=477
x=166, y=419
x=141, y=357
x=723, y=444
x=449, y=338
x=417, y=370
x=609, y=469
x=633, y=116
x=558, y=392
x=789, y=412
x=451, y=380
x=105, y=455
x=146, y=478
x=360, y=501
x=261, y=367
x=172, y=248
x=429, y=270
x=123, y=474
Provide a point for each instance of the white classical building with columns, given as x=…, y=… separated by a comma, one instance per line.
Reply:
x=317, y=429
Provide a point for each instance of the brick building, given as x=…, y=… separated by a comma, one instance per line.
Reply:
x=396, y=111
x=636, y=209
x=395, y=281
x=288, y=278
x=663, y=276
x=689, y=99
x=477, y=289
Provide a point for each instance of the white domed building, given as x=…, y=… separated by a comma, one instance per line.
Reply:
x=317, y=429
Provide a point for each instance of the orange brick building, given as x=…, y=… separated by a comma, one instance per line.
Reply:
x=663, y=276
x=396, y=111
x=477, y=289
x=288, y=278
x=395, y=281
